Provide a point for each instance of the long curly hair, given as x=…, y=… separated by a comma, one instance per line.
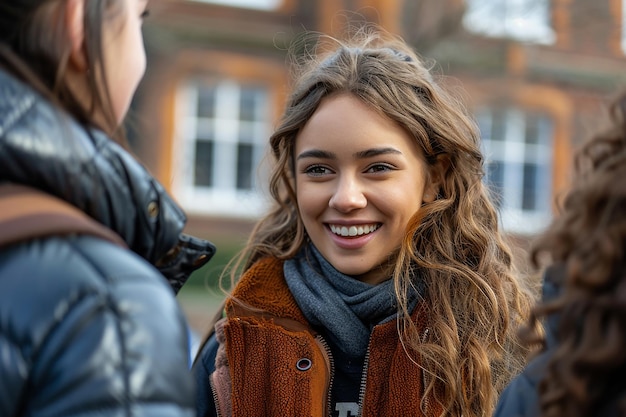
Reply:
x=588, y=241
x=475, y=302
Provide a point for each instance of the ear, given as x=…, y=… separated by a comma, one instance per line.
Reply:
x=74, y=21
x=436, y=176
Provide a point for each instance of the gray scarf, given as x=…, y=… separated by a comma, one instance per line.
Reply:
x=347, y=308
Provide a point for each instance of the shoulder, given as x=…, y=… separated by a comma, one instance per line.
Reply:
x=77, y=259
x=26, y=112
x=520, y=397
x=263, y=286
x=263, y=275
x=89, y=315
x=44, y=280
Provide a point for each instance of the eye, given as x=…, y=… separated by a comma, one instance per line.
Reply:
x=379, y=168
x=316, y=170
x=145, y=14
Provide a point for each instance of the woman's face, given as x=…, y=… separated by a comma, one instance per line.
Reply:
x=359, y=179
x=124, y=54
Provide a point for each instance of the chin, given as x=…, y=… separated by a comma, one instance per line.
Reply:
x=356, y=273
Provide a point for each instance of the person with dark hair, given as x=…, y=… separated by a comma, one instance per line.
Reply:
x=580, y=327
x=92, y=249
x=378, y=284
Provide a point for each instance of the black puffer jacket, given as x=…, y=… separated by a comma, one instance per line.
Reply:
x=88, y=327
x=42, y=148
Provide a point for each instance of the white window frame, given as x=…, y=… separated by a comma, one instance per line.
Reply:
x=513, y=152
x=623, y=38
x=268, y=5
x=523, y=20
x=222, y=198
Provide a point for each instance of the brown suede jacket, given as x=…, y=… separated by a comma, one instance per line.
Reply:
x=272, y=363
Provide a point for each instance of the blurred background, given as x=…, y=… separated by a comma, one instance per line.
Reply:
x=536, y=74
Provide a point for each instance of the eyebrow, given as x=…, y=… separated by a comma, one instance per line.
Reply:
x=317, y=153
x=368, y=153
x=376, y=152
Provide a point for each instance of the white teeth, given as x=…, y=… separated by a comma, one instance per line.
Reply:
x=353, y=230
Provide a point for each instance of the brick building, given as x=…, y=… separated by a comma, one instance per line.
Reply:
x=537, y=74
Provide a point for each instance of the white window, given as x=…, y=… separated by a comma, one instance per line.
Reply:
x=222, y=131
x=518, y=160
x=248, y=4
x=523, y=20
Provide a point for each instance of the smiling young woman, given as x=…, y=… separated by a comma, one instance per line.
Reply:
x=379, y=283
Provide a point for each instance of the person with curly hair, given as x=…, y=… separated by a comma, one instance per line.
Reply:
x=579, y=370
x=379, y=283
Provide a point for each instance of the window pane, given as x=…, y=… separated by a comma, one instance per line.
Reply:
x=485, y=16
x=532, y=129
x=495, y=181
x=524, y=20
x=483, y=118
x=529, y=188
x=538, y=129
x=498, y=126
x=543, y=187
x=206, y=102
x=203, y=172
x=244, y=166
x=249, y=103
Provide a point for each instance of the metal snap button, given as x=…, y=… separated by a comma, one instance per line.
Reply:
x=153, y=209
x=304, y=364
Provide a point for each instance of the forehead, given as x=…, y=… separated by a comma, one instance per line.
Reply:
x=346, y=123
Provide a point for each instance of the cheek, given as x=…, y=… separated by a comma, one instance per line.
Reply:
x=139, y=69
x=398, y=202
x=136, y=57
x=140, y=52
x=131, y=67
x=305, y=200
x=311, y=202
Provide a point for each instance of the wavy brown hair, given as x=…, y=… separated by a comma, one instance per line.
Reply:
x=474, y=300
x=588, y=240
x=35, y=47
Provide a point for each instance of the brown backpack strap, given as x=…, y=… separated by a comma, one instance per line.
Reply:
x=27, y=213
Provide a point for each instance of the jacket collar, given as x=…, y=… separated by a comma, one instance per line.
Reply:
x=263, y=289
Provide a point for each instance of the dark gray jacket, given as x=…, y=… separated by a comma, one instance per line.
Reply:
x=519, y=398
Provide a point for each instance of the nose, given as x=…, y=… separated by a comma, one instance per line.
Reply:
x=348, y=195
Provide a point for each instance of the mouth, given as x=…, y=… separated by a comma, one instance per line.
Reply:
x=353, y=230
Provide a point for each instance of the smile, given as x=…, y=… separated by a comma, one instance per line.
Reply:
x=353, y=230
